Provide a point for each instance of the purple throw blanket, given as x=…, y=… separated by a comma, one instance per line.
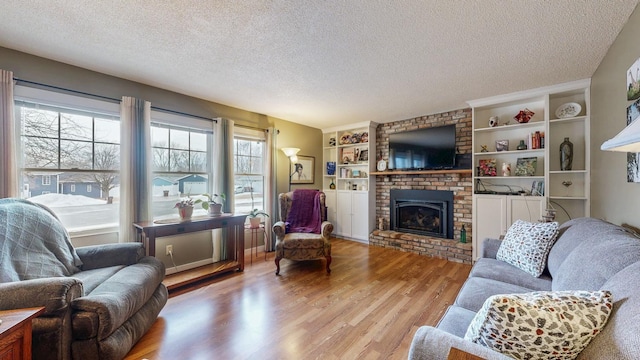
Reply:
x=304, y=215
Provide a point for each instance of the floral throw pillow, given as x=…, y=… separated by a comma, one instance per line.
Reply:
x=541, y=325
x=526, y=245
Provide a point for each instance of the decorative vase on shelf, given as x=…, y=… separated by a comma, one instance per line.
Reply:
x=522, y=145
x=332, y=186
x=566, y=154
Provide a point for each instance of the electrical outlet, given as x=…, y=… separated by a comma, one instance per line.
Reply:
x=169, y=249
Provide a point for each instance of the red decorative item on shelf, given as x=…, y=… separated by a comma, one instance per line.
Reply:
x=524, y=116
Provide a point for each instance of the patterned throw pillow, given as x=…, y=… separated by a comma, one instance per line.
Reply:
x=541, y=325
x=526, y=245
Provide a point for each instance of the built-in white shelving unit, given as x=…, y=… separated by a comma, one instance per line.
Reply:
x=500, y=200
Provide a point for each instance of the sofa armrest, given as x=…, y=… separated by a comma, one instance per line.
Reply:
x=279, y=229
x=55, y=294
x=100, y=256
x=431, y=343
x=327, y=229
x=489, y=248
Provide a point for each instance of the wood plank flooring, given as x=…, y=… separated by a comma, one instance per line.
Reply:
x=368, y=308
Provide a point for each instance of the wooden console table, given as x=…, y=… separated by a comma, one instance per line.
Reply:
x=15, y=333
x=149, y=231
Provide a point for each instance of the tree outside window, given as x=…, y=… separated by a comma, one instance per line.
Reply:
x=62, y=148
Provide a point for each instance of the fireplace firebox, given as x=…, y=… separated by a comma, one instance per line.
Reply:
x=423, y=212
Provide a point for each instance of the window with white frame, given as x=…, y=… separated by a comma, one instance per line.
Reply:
x=249, y=152
x=67, y=140
x=182, y=149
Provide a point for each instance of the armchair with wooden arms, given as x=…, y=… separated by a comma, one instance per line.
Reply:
x=302, y=232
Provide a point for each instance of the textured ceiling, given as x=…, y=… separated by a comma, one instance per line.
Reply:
x=325, y=63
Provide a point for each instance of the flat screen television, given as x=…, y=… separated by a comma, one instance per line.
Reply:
x=423, y=149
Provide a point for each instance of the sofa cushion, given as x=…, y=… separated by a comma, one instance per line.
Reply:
x=539, y=325
x=456, y=320
x=476, y=290
x=526, y=245
x=619, y=339
x=592, y=263
x=117, y=299
x=499, y=270
x=576, y=232
x=91, y=279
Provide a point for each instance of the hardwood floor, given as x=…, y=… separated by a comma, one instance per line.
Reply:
x=368, y=308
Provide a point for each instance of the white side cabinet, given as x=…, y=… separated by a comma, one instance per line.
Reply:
x=493, y=214
x=352, y=215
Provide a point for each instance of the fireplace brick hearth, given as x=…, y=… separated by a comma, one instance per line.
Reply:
x=459, y=184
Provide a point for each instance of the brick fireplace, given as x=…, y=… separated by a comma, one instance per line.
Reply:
x=457, y=183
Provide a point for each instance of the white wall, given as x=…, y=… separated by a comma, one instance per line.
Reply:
x=612, y=198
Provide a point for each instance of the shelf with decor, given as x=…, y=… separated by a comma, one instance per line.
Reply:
x=559, y=115
x=352, y=149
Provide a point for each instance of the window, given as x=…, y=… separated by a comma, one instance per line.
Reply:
x=67, y=140
x=88, y=188
x=249, y=152
x=182, y=149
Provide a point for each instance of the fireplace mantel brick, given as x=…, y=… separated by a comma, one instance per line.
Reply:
x=460, y=184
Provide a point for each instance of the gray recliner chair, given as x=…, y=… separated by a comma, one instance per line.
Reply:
x=98, y=300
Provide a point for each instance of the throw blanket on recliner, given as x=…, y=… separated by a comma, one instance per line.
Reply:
x=33, y=243
x=304, y=216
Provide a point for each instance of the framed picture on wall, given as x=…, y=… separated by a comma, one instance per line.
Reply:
x=302, y=171
x=633, y=83
x=633, y=160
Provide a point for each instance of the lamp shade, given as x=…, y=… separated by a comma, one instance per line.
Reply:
x=627, y=140
x=290, y=151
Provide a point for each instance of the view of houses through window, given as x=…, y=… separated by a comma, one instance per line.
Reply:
x=181, y=157
x=70, y=163
x=249, y=155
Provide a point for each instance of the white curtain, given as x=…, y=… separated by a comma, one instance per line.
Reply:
x=8, y=138
x=135, y=165
x=222, y=179
x=270, y=197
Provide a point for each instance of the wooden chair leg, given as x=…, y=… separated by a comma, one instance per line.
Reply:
x=277, y=265
x=328, y=264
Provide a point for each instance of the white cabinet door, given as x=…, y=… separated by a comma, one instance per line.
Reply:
x=489, y=219
x=528, y=208
x=360, y=215
x=343, y=222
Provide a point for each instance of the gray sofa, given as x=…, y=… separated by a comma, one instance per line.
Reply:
x=589, y=254
x=99, y=300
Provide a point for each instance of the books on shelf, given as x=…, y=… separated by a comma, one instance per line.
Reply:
x=348, y=155
x=536, y=140
x=537, y=188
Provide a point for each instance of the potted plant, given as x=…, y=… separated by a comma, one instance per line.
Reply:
x=212, y=205
x=185, y=208
x=254, y=220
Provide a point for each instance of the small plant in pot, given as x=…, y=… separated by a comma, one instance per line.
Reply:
x=214, y=203
x=254, y=220
x=185, y=208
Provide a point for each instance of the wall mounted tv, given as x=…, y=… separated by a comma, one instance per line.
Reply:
x=423, y=149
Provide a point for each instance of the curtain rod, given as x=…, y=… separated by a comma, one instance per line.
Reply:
x=251, y=127
x=108, y=98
